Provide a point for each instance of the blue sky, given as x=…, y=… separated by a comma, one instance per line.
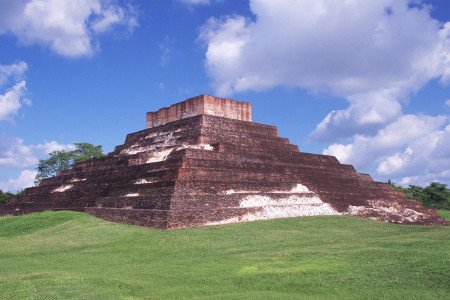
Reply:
x=366, y=81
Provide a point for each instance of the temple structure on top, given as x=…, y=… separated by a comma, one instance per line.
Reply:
x=204, y=162
x=201, y=105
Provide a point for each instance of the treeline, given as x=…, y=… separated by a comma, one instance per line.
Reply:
x=436, y=195
x=6, y=196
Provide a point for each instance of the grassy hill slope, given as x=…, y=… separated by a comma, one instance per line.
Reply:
x=74, y=255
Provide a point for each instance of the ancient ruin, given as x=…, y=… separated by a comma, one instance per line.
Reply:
x=204, y=162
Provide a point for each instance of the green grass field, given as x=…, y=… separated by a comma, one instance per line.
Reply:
x=73, y=255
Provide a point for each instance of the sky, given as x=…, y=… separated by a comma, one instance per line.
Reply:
x=365, y=81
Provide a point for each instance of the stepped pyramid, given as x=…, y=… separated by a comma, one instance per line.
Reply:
x=204, y=162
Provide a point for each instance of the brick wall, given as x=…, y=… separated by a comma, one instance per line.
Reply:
x=203, y=104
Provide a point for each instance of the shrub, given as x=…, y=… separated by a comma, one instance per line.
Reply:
x=436, y=195
x=5, y=197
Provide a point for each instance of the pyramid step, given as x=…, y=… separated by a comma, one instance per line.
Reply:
x=160, y=202
x=141, y=217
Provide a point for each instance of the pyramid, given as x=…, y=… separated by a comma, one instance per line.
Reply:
x=204, y=162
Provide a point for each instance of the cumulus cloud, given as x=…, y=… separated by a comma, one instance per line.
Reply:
x=52, y=146
x=373, y=53
x=13, y=72
x=14, y=153
x=12, y=89
x=12, y=101
x=411, y=150
x=70, y=28
x=24, y=180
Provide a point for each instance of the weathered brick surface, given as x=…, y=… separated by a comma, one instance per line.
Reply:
x=201, y=105
x=203, y=162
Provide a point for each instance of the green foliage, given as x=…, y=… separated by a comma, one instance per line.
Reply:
x=5, y=197
x=436, y=195
x=444, y=213
x=71, y=255
x=64, y=160
x=86, y=151
x=19, y=193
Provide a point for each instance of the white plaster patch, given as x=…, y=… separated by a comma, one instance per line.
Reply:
x=163, y=154
x=300, y=188
x=355, y=210
x=230, y=192
x=159, y=155
x=143, y=181
x=259, y=200
x=133, y=150
x=271, y=208
x=151, y=135
x=297, y=189
x=132, y=195
x=281, y=211
x=161, y=141
x=164, y=138
x=159, y=133
x=77, y=179
x=62, y=188
x=196, y=146
x=406, y=214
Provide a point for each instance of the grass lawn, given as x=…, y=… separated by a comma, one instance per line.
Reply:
x=74, y=255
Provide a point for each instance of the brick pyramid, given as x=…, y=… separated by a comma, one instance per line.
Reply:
x=203, y=162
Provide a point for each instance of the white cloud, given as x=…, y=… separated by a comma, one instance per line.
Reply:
x=395, y=163
x=70, y=28
x=366, y=113
x=12, y=72
x=12, y=100
x=49, y=147
x=411, y=150
x=372, y=53
x=25, y=179
x=13, y=96
x=326, y=45
x=15, y=154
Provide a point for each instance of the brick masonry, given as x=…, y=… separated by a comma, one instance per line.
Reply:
x=203, y=162
x=201, y=105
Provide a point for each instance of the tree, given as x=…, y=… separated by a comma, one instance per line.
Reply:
x=5, y=197
x=415, y=192
x=86, y=151
x=435, y=195
x=64, y=160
